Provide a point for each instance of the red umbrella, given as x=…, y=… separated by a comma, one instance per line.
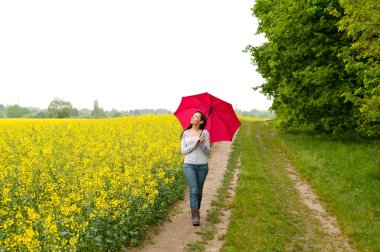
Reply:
x=222, y=121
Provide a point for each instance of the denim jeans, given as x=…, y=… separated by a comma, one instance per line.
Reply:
x=195, y=176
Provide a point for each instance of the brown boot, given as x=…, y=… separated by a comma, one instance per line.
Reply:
x=195, y=216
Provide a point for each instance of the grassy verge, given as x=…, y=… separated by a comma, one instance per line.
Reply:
x=267, y=214
x=346, y=176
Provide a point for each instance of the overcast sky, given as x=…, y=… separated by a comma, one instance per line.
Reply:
x=128, y=54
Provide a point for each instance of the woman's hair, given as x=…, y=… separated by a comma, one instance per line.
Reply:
x=201, y=126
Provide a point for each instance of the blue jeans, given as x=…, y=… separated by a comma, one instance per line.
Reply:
x=195, y=176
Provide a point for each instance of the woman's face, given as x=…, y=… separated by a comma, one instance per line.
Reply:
x=196, y=119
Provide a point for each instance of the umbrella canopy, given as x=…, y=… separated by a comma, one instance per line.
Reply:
x=222, y=121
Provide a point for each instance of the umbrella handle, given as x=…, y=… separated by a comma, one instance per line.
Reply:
x=200, y=135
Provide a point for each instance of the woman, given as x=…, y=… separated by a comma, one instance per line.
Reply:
x=195, y=145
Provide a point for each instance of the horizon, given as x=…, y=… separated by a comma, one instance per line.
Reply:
x=39, y=108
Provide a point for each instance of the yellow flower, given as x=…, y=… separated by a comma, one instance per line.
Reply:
x=59, y=177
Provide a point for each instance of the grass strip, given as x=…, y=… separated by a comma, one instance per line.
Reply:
x=346, y=176
x=267, y=214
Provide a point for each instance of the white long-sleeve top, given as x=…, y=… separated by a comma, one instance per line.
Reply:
x=195, y=154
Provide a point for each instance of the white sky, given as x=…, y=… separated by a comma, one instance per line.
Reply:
x=127, y=54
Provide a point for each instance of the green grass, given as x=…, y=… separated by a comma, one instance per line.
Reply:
x=267, y=214
x=346, y=176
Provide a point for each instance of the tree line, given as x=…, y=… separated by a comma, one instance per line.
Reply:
x=321, y=63
x=255, y=113
x=59, y=108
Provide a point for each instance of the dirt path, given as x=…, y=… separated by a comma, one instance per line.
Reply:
x=334, y=241
x=310, y=199
x=175, y=235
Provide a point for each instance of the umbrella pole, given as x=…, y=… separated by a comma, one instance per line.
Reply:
x=209, y=112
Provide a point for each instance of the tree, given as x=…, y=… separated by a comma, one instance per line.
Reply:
x=59, y=109
x=16, y=111
x=75, y=113
x=84, y=113
x=98, y=112
x=115, y=113
x=255, y=113
x=361, y=22
x=3, y=112
x=41, y=114
x=304, y=76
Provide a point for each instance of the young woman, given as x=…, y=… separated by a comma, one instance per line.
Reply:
x=195, y=145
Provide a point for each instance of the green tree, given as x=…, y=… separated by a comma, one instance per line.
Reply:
x=41, y=114
x=16, y=111
x=304, y=76
x=115, y=113
x=98, y=112
x=361, y=22
x=3, y=112
x=59, y=109
x=75, y=113
x=84, y=113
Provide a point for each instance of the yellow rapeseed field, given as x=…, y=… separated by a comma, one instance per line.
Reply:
x=251, y=119
x=85, y=184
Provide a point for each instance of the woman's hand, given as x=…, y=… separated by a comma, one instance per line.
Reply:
x=201, y=139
